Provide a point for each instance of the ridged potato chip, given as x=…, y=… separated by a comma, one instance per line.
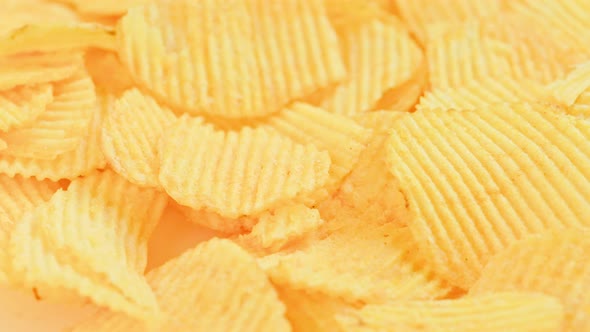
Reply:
x=206, y=70
x=236, y=173
x=84, y=159
x=360, y=263
x=214, y=287
x=405, y=96
x=130, y=136
x=476, y=181
x=101, y=65
x=61, y=127
x=554, y=263
x=574, y=90
x=22, y=105
x=18, y=195
x=27, y=69
x=16, y=13
x=499, y=312
x=92, y=239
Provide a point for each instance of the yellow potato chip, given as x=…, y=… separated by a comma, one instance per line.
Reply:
x=92, y=239
x=130, y=136
x=345, y=14
x=475, y=181
x=103, y=7
x=27, y=69
x=22, y=105
x=484, y=92
x=214, y=287
x=360, y=262
x=281, y=227
x=84, y=159
x=404, y=97
x=499, y=312
x=218, y=223
x=101, y=65
x=61, y=127
x=18, y=195
x=379, y=121
x=251, y=64
x=379, y=56
x=554, y=263
x=16, y=13
x=236, y=173
x=57, y=38
x=574, y=90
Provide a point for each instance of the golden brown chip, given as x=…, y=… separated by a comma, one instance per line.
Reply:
x=27, y=69
x=554, y=263
x=236, y=173
x=103, y=7
x=101, y=65
x=476, y=181
x=22, y=105
x=214, y=287
x=240, y=59
x=130, y=136
x=92, y=239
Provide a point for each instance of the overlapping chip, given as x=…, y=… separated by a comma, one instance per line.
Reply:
x=214, y=287
x=574, y=90
x=475, y=181
x=236, y=173
x=554, y=263
x=92, y=239
x=101, y=65
x=240, y=59
x=16, y=13
x=22, y=105
x=104, y=7
x=35, y=68
x=214, y=221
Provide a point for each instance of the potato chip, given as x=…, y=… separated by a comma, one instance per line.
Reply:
x=205, y=70
x=554, y=263
x=16, y=13
x=214, y=287
x=574, y=90
x=27, y=69
x=475, y=181
x=22, y=105
x=404, y=97
x=103, y=7
x=367, y=263
x=18, y=195
x=346, y=14
x=379, y=121
x=500, y=312
x=114, y=219
x=281, y=227
x=56, y=38
x=61, y=127
x=379, y=57
x=84, y=159
x=212, y=220
x=101, y=65
x=130, y=136
x=236, y=173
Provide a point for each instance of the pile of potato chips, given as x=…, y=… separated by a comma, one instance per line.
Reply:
x=298, y=165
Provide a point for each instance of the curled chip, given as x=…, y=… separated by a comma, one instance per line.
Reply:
x=57, y=37
x=231, y=59
x=214, y=287
x=22, y=105
x=82, y=160
x=499, y=312
x=18, y=195
x=16, y=13
x=554, y=263
x=404, y=97
x=236, y=173
x=476, y=181
x=214, y=221
x=26, y=69
x=114, y=218
x=61, y=127
x=367, y=263
x=130, y=135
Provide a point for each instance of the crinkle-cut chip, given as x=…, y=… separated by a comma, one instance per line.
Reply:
x=405, y=96
x=420, y=14
x=101, y=65
x=379, y=57
x=103, y=7
x=484, y=92
x=215, y=287
x=341, y=136
x=236, y=174
x=218, y=223
x=312, y=312
x=16, y=13
x=28, y=69
x=475, y=181
x=130, y=136
x=284, y=225
x=200, y=72
x=554, y=263
x=370, y=263
x=21, y=105
x=379, y=121
x=92, y=239
x=57, y=38
x=84, y=159
x=499, y=312
x=18, y=195
x=61, y=127
x=568, y=89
